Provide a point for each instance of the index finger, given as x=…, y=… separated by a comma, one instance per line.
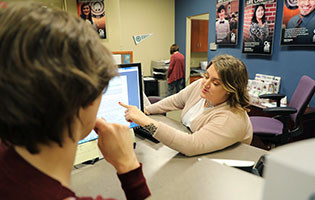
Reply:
x=100, y=125
x=123, y=105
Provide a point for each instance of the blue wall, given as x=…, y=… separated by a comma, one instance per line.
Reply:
x=290, y=63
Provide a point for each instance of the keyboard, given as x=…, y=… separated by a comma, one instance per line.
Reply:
x=144, y=133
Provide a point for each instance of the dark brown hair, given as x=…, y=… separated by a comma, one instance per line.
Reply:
x=174, y=48
x=51, y=65
x=254, y=19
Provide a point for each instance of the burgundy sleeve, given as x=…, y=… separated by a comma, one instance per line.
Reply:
x=134, y=184
x=171, y=66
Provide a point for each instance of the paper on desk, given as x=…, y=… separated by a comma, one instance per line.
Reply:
x=234, y=163
x=86, y=151
x=272, y=105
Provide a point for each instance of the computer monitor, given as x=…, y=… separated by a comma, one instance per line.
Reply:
x=125, y=88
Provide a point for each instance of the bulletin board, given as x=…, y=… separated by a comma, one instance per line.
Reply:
x=123, y=57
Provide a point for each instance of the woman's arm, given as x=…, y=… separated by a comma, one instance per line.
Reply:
x=174, y=102
x=219, y=132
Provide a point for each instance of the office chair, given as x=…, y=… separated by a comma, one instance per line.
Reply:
x=154, y=99
x=278, y=130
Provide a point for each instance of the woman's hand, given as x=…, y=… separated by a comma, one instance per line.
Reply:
x=115, y=143
x=133, y=114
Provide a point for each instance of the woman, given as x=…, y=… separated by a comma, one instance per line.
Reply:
x=176, y=71
x=259, y=30
x=86, y=12
x=214, y=109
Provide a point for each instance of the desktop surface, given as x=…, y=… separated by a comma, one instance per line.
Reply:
x=171, y=175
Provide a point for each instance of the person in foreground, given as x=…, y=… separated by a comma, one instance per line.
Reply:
x=53, y=72
x=213, y=108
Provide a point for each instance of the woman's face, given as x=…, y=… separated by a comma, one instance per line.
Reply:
x=211, y=87
x=86, y=10
x=260, y=12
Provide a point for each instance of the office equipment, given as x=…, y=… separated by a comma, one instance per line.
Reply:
x=151, y=87
x=126, y=88
x=140, y=131
x=277, y=130
x=289, y=172
x=159, y=72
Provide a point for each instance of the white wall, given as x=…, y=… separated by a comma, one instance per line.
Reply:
x=143, y=17
x=125, y=18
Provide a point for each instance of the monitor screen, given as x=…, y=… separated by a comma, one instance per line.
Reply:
x=125, y=88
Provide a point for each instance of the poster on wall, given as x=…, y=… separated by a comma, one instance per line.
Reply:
x=226, y=26
x=298, y=23
x=93, y=12
x=259, y=25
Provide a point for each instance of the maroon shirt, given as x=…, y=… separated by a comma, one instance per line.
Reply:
x=176, y=69
x=20, y=180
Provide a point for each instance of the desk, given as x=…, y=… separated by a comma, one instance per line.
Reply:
x=171, y=175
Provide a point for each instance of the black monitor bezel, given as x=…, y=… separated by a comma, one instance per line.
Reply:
x=138, y=65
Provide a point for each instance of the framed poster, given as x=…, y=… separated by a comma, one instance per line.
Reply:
x=93, y=12
x=259, y=25
x=123, y=57
x=298, y=23
x=226, y=26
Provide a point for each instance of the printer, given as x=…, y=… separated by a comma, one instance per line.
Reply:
x=159, y=70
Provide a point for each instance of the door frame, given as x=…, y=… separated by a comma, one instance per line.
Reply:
x=188, y=42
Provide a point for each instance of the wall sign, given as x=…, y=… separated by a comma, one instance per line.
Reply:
x=139, y=38
x=259, y=24
x=298, y=23
x=226, y=26
x=93, y=12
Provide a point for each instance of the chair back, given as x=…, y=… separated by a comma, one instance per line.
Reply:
x=154, y=99
x=301, y=98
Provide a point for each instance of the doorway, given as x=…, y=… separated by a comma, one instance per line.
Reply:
x=198, y=37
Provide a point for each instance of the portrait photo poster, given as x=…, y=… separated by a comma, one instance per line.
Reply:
x=298, y=23
x=93, y=12
x=259, y=26
x=226, y=25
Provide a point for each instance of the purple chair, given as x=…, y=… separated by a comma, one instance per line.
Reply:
x=276, y=130
x=154, y=99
